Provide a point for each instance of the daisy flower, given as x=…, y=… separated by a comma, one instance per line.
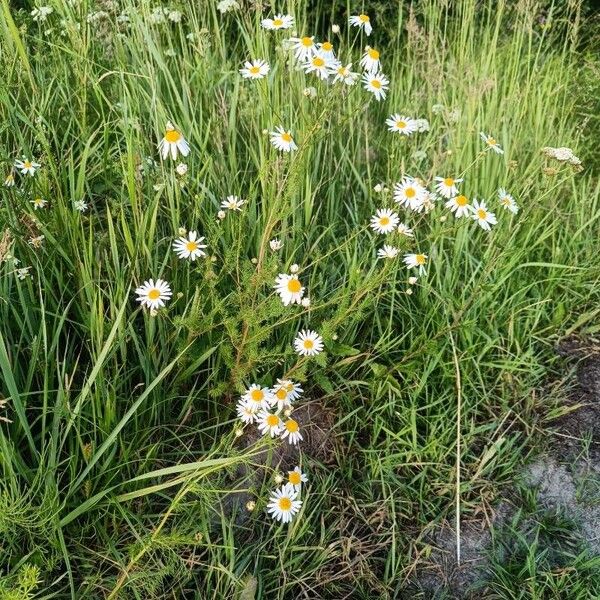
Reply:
x=282, y=140
x=291, y=431
x=154, y=295
x=491, y=143
x=446, y=186
x=384, y=221
x=80, y=205
x=172, y=143
x=304, y=48
x=257, y=397
x=377, y=84
x=10, y=180
x=278, y=22
x=289, y=288
x=483, y=216
x=232, y=203
x=405, y=230
x=269, y=423
x=257, y=69
x=318, y=65
x=415, y=261
x=344, y=74
x=387, y=252
x=284, y=504
x=459, y=205
x=284, y=393
x=189, y=247
x=370, y=60
x=400, y=124
x=308, y=343
x=508, y=201
x=326, y=51
x=246, y=413
x=38, y=203
x=296, y=478
x=361, y=21
x=27, y=167
x=410, y=193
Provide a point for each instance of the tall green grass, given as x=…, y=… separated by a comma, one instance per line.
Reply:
x=121, y=468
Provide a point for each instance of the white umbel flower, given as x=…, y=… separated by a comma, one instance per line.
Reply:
x=153, y=295
x=189, y=247
x=173, y=143
x=284, y=504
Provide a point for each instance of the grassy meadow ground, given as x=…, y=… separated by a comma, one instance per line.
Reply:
x=125, y=472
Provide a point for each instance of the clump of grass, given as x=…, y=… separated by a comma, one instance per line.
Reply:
x=125, y=422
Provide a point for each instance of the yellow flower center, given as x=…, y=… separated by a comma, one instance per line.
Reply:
x=172, y=136
x=482, y=214
x=449, y=181
x=257, y=395
x=491, y=141
x=461, y=200
x=277, y=22
x=27, y=164
x=307, y=42
x=384, y=221
x=309, y=344
x=506, y=201
x=410, y=192
x=294, y=286
x=254, y=70
x=272, y=420
x=420, y=258
x=364, y=18
x=285, y=503
x=291, y=426
x=400, y=124
x=374, y=54
x=327, y=46
x=342, y=71
x=318, y=61
x=294, y=478
x=286, y=137
x=154, y=294
x=376, y=83
x=281, y=394
x=191, y=246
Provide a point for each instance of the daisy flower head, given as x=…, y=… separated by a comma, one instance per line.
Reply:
x=361, y=21
x=257, y=69
x=325, y=50
x=278, y=22
x=400, y=124
x=384, y=221
x=291, y=431
x=10, y=180
x=491, y=143
x=246, y=413
x=485, y=219
x=507, y=201
x=318, y=65
x=27, y=167
x=269, y=423
x=446, y=186
x=275, y=244
x=405, y=230
x=415, y=261
x=296, y=478
x=308, y=343
x=189, y=247
x=370, y=60
x=289, y=288
x=173, y=143
x=282, y=140
x=233, y=203
x=388, y=252
x=80, y=205
x=377, y=84
x=257, y=397
x=285, y=393
x=304, y=47
x=345, y=74
x=459, y=205
x=38, y=203
x=153, y=294
x=410, y=193
x=284, y=504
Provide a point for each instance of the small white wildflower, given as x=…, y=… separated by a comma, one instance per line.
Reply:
x=181, y=169
x=276, y=244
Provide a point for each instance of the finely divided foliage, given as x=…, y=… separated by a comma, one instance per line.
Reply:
x=263, y=317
